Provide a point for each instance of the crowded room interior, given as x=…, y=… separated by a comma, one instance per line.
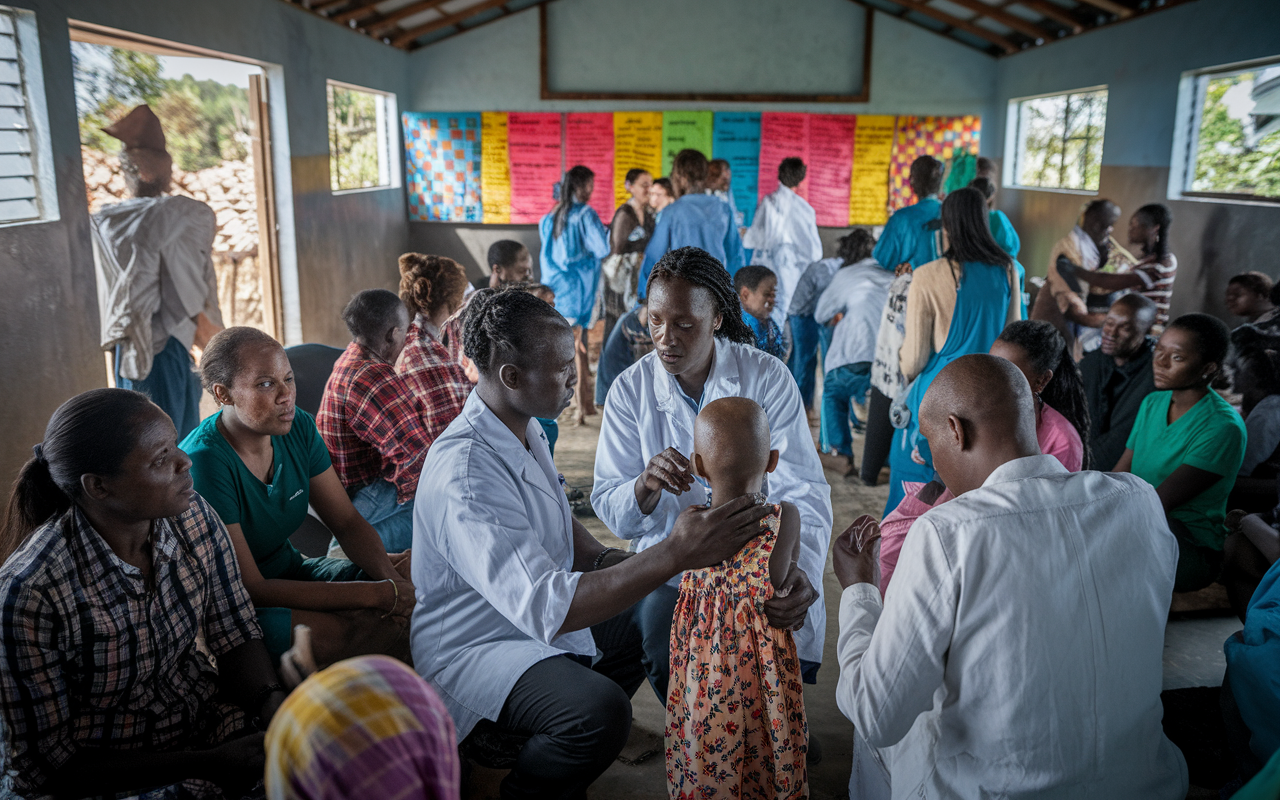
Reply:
x=497, y=399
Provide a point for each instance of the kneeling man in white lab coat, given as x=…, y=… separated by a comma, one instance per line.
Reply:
x=1018, y=653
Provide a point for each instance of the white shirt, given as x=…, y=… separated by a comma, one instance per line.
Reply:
x=492, y=564
x=784, y=236
x=859, y=291
x=1018, y=653
x=645, y=413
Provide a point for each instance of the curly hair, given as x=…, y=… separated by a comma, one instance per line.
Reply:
x=1064, y=393
x=220, y=359
x=700, y=268
x=429, y=283
x=855, y=246
x=499, y=322
x=791, y=172
x=692, y=166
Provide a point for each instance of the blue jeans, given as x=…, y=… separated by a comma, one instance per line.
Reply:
x=655, y=613
x=804, y=354
x=841, y=388
x=393, y=521
x=171, y=384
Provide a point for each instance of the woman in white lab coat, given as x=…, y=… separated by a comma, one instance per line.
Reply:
x=523, y=621
x=642, y=475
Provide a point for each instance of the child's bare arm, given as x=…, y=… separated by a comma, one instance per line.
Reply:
x=786, y=549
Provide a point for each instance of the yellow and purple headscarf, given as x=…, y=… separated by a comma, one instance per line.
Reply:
x=366, y=727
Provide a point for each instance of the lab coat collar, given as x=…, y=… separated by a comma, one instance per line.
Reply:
x=723, y=380
x=498, y=436
x=1028, y=467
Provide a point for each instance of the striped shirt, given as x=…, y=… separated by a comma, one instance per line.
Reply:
x=1157, y=285
x=93, y=656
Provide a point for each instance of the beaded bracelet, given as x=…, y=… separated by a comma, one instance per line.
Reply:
x=600, y=558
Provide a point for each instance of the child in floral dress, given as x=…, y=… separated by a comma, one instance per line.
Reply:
x=735, y=714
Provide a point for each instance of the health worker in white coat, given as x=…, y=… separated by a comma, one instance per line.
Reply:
x=523, y=621
x=784, y=235
x=643, y=479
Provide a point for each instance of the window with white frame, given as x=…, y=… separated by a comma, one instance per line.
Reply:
x=1056, y=141
x=1233, y=133
x=27, y=187
x=362, y=130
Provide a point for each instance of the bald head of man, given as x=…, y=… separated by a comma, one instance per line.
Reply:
x=977, y=415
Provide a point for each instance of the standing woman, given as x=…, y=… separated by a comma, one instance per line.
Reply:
x=643, y=480
x=628, y=235
x=573, y=242
x=260, y=462
x=957, y=305
x=432, y=288
x=123, y=589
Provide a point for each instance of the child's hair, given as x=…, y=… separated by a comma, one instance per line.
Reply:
x=1065, y=394
x=750, y=277
x=855, y=246
x=504, y=252
x=700, y=268
x=791, y=171
x=371, y=313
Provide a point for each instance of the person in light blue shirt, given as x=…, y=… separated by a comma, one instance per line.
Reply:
x=1002, y=231
x=693, y=220
x=911, y=235
x=574, y=240
x=757, y=289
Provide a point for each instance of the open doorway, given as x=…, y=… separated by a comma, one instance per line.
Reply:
x=214, y=114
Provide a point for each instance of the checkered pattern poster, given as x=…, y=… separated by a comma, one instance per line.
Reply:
x=442, y=167
x=940, y=137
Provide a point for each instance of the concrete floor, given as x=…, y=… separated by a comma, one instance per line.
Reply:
x=1193, y=654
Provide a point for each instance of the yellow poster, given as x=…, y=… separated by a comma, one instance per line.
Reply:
x=495, y=168
x=637, y=143
x=869, y=183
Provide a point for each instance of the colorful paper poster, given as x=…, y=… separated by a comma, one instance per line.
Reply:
x=495, y=168
x=637, y=144
x=940, y=137
x=533, y=141
x=830, y=167
x=685, y=129
x=869, y=182
x=736, y=139
x=588, y=140
x=782, y=135
x=442, y=167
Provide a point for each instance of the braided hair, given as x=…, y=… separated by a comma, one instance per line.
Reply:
x=700, y=268
x=1064, y=393
x=1159, y=215
x=500, y=322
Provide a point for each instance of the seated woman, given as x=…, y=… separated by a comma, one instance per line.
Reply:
x=1249, y=296
x=432, y=288
x=1189, y=443
x=1256, y=378
x=260, y=462
x=120, y=568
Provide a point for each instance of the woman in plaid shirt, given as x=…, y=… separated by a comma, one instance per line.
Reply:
x=119, y=567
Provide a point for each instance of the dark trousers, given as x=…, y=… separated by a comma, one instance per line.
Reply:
x=879, y=439
x=579, y=716
x=656, y=613
x=171, y=384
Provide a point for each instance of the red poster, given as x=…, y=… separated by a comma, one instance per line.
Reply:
x=533, y=142
x=830, y=167
x=588, y=140
x=782, y=135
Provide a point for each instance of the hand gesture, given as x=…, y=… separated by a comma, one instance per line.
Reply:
x=668, y=470
x=856, y=554
x=704, y=537
x=790, y=602
x=902, y=269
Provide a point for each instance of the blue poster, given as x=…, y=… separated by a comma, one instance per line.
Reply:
x=736, y=139
x=442, y=167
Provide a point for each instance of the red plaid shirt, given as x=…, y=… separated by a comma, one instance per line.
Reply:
x=435, y=378
x=373, y=424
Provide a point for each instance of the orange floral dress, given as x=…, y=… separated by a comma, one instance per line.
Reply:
x=735, y=712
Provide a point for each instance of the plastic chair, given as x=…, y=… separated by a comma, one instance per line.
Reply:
x=312, y=365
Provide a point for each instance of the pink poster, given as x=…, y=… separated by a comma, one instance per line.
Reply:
x=830, y=167
x=533, y=141
x=588, y=140
x=782, y=135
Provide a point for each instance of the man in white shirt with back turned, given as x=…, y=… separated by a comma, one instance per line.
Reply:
x=1018, y=653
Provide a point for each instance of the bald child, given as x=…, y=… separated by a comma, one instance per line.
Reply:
x=1017, y=652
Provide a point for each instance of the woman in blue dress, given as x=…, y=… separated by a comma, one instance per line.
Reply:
x=957, y=305
x=574, y=240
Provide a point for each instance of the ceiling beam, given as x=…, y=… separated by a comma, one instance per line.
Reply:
x=1053, y=11
x=325, y=5
x=358, y=9
x=920, y=6
x=405, y=39
x=389, y=20
x=506, y=12
x=1111, y=7
x=1004, y=18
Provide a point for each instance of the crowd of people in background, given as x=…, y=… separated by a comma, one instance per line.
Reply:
x=1062, y=457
